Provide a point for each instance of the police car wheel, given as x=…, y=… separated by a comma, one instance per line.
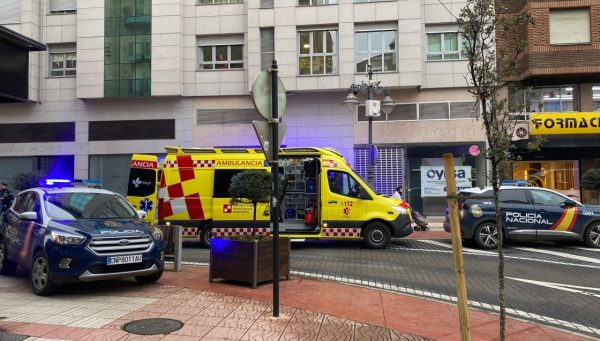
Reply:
x=592, y=235
x=486, y=236
x=7, y=267
x=39, y=275
x=206, y=235
x=377, y=236
x=149, y=278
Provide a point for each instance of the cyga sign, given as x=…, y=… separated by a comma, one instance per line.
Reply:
x=433, y=182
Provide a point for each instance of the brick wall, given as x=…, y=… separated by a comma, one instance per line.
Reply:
x=543, y=59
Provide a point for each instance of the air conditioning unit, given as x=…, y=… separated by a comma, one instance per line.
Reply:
x=521, y=131
x=373, y=108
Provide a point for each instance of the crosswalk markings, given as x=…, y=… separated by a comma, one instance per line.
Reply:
x=559, y=286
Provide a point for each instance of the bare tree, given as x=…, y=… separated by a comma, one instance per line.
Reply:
x=494, y=42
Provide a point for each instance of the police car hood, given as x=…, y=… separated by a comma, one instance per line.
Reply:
x=105, y=227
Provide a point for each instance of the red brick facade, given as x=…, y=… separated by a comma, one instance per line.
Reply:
x=543, y=59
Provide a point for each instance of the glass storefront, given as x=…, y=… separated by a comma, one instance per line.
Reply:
x=60, y=166
x=588, y=196
x=561, y=175
x=111, y=170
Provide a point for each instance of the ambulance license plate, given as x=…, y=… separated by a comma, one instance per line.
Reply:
x=124, y=259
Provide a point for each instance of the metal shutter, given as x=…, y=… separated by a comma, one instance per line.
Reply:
x=132, y=130
x=226, y=116
x=37, y=132
x=433, y=111
x=10, y=12
x=267, y=46
x=389, y=169
x=63, y=5
x=462, y=110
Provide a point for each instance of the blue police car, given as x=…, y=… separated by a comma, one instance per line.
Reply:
x=528, y=214
x=78, y=234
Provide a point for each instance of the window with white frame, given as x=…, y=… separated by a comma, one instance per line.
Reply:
x=359, y=1
x=63, y=61
x=317, y=52
x=316, y=2
x=218, y=2
x=219, y=57
x=570, y=26
x=445, y=46
x=63, y=6
x=377, y=48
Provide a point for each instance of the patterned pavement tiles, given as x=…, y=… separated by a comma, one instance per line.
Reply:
x=225, y=311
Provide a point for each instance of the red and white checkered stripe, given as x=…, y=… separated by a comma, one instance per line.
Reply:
x=203, y=163
x=341, y=232
x=239, y=231
x=170, y=164
x=189, y=231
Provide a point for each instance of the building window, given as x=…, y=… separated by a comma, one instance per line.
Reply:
x=266, y=3
x=377, y=48
x=218, y=2
x=360, y=1
x=316, y=2
x=561, y=175
x=317, y=52
x=596, y=96
x=220, y=57
x=63, y=6
x=62, y=64
x=561, y=98
x=445, y=46
x=267, y=47
x=570, y=26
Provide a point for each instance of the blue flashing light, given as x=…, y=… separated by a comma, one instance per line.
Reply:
x=508, y=182
x=56, y=182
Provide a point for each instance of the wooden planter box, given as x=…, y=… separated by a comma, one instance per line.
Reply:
x=247, y=261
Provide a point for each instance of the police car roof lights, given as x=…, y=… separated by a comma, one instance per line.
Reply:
x=521, y=183
x=57, y=182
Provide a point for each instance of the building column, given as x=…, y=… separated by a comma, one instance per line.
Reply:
x=586, y=103
x=81, y=150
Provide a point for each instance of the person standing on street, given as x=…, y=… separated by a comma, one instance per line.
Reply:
x=6, y=197
x=397, y=193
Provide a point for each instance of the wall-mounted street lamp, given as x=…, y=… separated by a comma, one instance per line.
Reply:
x=373, y=108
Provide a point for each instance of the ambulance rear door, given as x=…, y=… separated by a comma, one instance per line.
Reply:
x=142, y=186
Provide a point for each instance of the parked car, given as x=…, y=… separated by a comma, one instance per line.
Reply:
x=78, y=234
x=528, y=213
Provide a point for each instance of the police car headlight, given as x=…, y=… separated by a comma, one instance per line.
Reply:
x=157, y=234
x=400, y=209
x=61, y=237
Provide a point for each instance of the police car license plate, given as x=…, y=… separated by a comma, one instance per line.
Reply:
x=124, y=259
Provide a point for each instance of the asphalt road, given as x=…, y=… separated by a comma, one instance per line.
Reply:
x=552, y=284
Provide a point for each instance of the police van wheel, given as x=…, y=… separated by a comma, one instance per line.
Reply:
x=377, y=236
x=592, y=235
x=486, y=236
x=7, y=267
x=206, y=235
x=39, y=275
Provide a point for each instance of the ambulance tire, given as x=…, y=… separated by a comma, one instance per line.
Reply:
x=377, y=236
x=592, y=235
x=205, y=235
x=486, y=235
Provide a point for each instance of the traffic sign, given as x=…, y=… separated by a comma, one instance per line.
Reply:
x=263, y=132
x=261, y=95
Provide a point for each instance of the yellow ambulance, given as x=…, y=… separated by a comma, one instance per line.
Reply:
x=321, y=196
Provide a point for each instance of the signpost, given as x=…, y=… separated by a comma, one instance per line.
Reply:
x=268, y=95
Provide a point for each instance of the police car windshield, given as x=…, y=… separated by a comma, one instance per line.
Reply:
x=80, y=205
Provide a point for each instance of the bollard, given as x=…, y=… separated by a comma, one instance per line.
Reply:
x=178, y=230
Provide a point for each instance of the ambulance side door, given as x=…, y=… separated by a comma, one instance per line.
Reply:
x=558, y=221
x=343, y=206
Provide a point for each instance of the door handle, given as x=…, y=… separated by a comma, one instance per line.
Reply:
x=332, y=202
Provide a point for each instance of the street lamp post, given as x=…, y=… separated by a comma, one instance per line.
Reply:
x=372, y=109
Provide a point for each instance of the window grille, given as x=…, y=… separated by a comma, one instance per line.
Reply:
x=389, y=169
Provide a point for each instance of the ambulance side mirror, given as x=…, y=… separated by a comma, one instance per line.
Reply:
x=568, y=203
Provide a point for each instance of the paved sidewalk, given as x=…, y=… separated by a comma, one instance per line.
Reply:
x=310, y=310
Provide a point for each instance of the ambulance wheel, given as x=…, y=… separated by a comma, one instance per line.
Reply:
x=205, y=235
x=377, y=236
x=486, y=235
x=592, y=235
x=7, y=267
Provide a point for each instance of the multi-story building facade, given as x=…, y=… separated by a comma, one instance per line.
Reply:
x=131, y=76
x=560, y=72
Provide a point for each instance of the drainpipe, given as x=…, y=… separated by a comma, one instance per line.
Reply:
x=40, y=66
